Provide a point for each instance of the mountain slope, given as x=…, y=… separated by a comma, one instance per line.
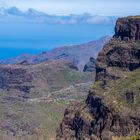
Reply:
x=41, y=78
x=33, y=97
x=112, y=108
x=77, y=54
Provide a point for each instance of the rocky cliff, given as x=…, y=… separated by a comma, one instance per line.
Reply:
x=122, y=52
x=112, y=108
x=128, y=28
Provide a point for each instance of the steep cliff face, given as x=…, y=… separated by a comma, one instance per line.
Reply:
x=96, y=121
x=122, y=53
x=112, y=108
x=117, y=56
x=128, y=28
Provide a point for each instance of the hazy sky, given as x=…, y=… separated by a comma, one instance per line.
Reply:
x=99, y=7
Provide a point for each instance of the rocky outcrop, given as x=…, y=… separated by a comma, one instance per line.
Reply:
x=107, y=121
x=111, y=110
x=15, y=78
x=104, y=123
x=90, y=66
x=122, y=52
x=121, y=55
x=128, y=28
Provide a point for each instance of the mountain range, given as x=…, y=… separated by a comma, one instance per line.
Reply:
x=76, y=54
x=13, y=13
x=16, y=12
x=35, y=89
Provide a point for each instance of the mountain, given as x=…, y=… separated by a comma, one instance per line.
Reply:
x=16, y=12
x=31, y=15
x=33, y=12
x=46, y=77
x=77, y=54
x=112, y=108
x=33, y=97
x=13, y=11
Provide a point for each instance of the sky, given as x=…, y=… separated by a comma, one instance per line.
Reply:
x=64, y=7
x=21, y=37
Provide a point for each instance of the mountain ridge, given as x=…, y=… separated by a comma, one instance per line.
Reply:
x=77, y=54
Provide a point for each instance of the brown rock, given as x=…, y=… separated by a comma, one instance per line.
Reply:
x=128, y=28
x=105, y=114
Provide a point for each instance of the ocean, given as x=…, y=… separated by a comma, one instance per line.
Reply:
x=32, y=38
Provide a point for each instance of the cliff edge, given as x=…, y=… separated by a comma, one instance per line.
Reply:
x=112, y=108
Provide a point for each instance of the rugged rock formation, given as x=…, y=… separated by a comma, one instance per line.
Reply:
x=124, y=56
x=123, y=51
x=112, y=108
x=90, y=66
x=102, y=122
x=128, y=28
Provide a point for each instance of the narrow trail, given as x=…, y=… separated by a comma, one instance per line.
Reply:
x=51, y=96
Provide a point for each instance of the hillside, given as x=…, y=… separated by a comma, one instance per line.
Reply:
x=40, y=78
x=33, y=97
x=77, y=54
x=112, y=108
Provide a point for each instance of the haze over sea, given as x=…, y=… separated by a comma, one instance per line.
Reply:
x=26, y=26
x=17, y=38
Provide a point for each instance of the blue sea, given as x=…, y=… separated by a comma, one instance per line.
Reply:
x=32, y=38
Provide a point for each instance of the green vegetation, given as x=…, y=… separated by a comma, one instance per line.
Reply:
x=115, y=92
x=133, y=137
x=134, y=17
x=22, y=120
x=55, y=86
